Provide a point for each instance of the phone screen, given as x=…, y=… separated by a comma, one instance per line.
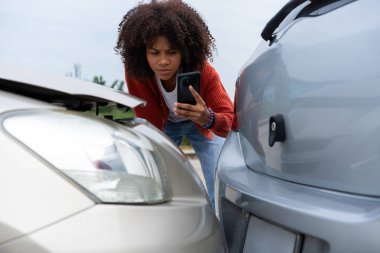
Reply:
x=184, y=80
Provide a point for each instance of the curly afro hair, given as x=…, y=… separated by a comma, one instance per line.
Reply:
x=178, y=22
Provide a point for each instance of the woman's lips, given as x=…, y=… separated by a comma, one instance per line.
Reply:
x=165, y=72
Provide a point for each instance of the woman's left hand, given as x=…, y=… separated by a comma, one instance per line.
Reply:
x=197, y=113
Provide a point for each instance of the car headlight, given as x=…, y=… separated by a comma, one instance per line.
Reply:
x=114, y=163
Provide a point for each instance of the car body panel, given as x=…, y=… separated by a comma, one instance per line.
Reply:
x=324, y=80
x=43, y=210
x=57, y=89
x=316, y=191
x=32, y=195
x=11, y=101
x=337, y=220
x=179, y=226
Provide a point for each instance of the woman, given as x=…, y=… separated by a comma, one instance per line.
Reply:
x=157, y=41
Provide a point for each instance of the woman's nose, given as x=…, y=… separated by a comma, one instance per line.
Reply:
x=163, y=60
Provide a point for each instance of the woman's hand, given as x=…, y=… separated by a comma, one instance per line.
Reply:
x=197, y=113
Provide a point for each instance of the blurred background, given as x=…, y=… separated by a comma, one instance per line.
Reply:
x=76, y=37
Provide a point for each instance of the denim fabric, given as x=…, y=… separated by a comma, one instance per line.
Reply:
x=206, y=150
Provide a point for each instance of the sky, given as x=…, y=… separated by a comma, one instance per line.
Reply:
x=53, y=36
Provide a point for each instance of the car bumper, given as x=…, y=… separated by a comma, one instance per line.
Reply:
x=183, y=225
x=313, y=219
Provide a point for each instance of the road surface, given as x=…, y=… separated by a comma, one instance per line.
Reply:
x=194, y=161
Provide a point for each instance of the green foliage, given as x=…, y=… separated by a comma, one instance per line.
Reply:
x=115, y=112
x=117, y=85
x=99, y=80
x=185, y=142
x=112, y=110
x=121, y=113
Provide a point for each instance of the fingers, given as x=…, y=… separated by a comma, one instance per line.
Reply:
x=197, y=113
x=196, y=95
x=187, y=114
x=184, y=112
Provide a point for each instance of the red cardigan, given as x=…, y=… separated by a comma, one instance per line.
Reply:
x=211, y=91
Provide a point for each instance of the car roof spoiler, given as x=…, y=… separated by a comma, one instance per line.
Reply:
x=314, y=8
x=271, y=26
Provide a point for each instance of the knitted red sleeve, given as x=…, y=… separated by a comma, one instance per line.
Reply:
x=216, y=98
x=153, y=111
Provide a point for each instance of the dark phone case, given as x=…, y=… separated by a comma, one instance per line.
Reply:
x=183, y=81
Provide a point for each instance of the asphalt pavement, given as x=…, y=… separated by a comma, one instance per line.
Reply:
x=195, y=162
x=197, y=166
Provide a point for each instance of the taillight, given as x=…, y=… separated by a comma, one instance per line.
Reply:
x=235, y=125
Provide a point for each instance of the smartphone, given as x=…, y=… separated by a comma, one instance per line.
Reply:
x=184, y=80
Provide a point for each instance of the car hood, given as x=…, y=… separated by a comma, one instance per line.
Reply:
x=59, y=90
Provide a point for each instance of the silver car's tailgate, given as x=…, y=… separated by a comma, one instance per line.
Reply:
x=324, y=80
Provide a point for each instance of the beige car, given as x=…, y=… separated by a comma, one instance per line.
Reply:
x=71, y=181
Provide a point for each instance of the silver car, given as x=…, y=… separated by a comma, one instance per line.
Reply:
x=71, y=181
x=301, y=170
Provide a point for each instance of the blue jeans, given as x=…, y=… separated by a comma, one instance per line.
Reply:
x=206, y=150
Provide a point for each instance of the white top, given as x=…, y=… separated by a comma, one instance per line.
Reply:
x=170, y=98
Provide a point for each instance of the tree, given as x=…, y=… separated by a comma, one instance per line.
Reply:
x=77, y=71
x=117, y=85
x=112, y=110
x=99, y=80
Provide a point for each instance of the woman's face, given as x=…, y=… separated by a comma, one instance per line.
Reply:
x=163, y=59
